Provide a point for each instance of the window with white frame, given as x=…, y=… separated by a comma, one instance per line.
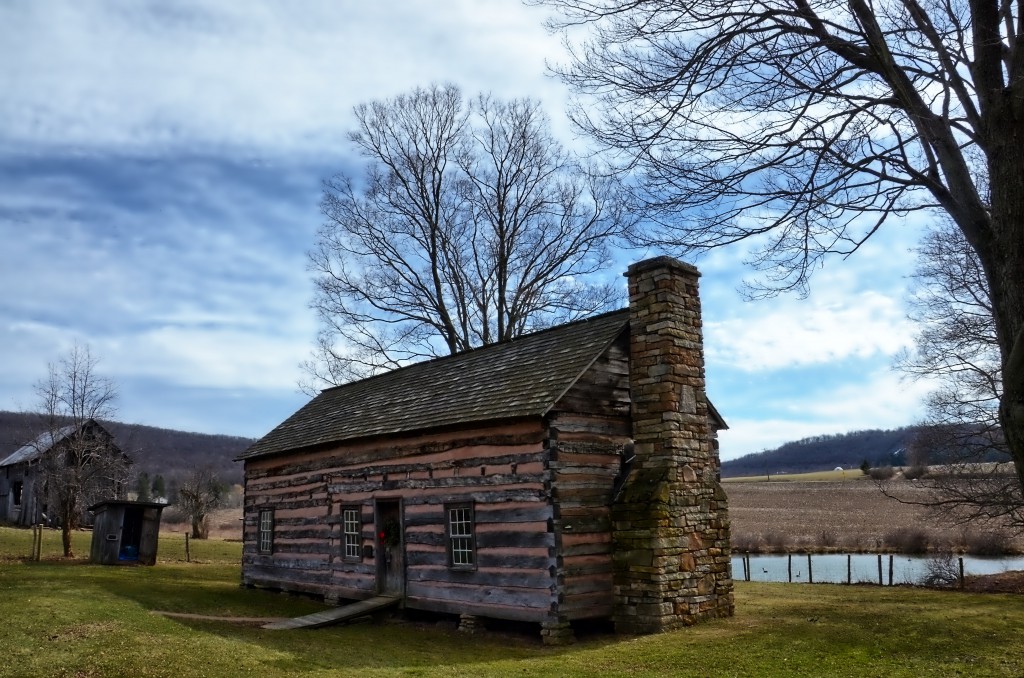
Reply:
x=461, y=540
x=351, y=528
x=265, y=533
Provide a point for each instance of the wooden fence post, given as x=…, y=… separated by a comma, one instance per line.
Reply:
x=890, y=569
x=961, y=572
x=810, y=572
x=789, y=567
x=880, y=582
x=188, y=554
x=37, y=543
x=849, y=568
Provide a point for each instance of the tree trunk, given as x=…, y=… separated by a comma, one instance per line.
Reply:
x=200, y=527
x=68, y=507
x=65, y=537
x=1004, y=265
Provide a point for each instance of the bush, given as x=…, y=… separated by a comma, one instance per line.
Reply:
x=941, y=571
x=915, y=472
x=745, y=543
x=987, y=543
x=907, y=540
x=882, y=473
x=828, y=537
x=857, y=542
x=776, y=542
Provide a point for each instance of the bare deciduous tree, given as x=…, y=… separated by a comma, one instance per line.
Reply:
x=807, y=125
x=956, y=339
x=956, y=346
x=78, y=460
x=471, y=226
x=200, y=495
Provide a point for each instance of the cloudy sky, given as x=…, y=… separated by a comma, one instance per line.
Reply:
x=160, y=173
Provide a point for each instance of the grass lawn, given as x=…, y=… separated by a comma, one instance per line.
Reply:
x=74, y=619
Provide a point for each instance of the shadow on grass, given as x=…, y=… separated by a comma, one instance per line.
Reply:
x=389, y=646
x=396, y=643
x=779, y=630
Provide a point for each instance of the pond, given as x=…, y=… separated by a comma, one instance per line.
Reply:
x=856, y=568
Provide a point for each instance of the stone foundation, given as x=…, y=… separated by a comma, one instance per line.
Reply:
x=557, y=633
x=467, y=623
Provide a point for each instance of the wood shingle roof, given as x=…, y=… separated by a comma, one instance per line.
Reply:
x=519, y=378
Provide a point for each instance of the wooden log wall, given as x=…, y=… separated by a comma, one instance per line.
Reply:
x=502, y=470
x=589, y=428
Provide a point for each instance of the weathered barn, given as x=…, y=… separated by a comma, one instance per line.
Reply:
x=125, y=532
x=24, y=497
x=565, y=475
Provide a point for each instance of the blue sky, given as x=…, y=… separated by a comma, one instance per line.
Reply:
x=160, y=169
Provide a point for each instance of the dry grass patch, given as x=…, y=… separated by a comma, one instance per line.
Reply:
x=777, y=517
x=224, y=524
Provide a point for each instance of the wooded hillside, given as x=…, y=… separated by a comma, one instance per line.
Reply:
x=173, y=454
x=825, y=452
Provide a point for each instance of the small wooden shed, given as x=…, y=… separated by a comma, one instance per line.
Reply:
x=125, y=532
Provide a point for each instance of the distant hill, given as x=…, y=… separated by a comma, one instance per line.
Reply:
x=172, y=454
x=825, y=452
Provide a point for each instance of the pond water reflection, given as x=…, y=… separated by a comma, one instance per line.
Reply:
x=856, y=568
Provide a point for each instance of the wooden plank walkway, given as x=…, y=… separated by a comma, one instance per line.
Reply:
x=335, y=614
x=207, y=617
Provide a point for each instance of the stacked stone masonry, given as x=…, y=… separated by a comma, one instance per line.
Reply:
x=670, y=537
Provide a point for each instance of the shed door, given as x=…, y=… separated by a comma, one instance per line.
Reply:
x=131, y=533
x=390, y=547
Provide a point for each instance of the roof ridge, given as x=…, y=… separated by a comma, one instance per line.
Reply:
x=478, y=349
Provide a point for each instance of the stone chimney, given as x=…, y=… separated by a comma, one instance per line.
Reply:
x=670, y=535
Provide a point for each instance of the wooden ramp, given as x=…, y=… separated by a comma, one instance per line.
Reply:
x=335, y=614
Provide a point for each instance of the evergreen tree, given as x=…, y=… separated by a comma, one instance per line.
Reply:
x=159, y=488
x=142, y=485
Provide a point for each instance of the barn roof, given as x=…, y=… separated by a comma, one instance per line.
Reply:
x=518, y=378
x=41, y=444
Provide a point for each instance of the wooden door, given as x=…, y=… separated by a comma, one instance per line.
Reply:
x=390, y=547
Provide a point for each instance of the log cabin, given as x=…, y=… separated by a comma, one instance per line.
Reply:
x=566, y=475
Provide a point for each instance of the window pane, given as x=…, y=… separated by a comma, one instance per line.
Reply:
x=266, y=531
x=351, y=528
x=460, y=535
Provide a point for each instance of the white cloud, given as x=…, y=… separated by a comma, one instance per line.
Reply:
x=187, y=278
x=884, y=399
x=184, y=267
x=200, y=357
x=855, y=309
x=790, y=333
x=267, y=74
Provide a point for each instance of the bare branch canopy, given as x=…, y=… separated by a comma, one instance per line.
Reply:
x=804, y=126
x=472, y=225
